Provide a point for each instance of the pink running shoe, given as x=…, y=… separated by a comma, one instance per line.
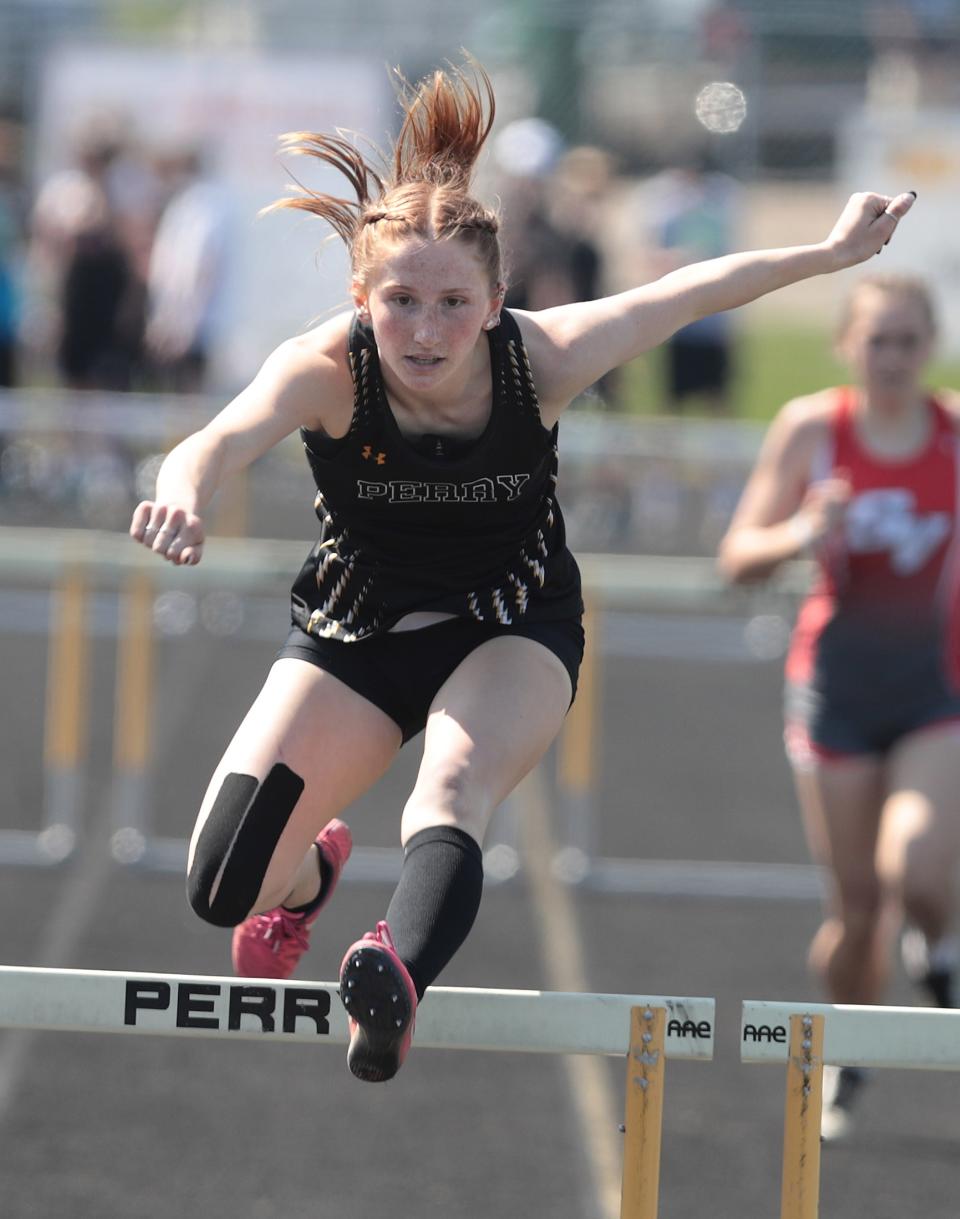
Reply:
x=381, y=1003
x=270, y=945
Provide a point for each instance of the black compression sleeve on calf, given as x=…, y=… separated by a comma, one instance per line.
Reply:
x=436, y=900
x=237, y=843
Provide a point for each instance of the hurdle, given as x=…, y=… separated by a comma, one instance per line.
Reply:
x=645, y=1029
x=688, y=586
x=78, y=562
x=64, y=728
x=806, y=1037
x=98, y=562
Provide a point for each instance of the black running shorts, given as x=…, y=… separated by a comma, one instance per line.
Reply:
x=401, y=671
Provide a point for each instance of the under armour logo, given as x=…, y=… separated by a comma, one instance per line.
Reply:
x=887, y=519
x=367, y=453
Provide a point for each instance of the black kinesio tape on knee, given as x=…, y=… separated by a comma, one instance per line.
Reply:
x=237, y=843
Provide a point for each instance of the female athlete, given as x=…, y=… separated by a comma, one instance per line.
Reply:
x=441, y=593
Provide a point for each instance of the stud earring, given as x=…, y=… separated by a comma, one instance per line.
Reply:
x=491, y=322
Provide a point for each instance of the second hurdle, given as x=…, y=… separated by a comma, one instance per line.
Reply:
x=806, y=1037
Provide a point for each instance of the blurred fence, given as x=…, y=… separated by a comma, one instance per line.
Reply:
x=641, y=486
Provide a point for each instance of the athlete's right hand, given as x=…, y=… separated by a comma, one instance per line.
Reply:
x=823, y=509
x=169, y=531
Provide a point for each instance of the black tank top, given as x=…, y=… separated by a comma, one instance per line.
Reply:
x=470, y=528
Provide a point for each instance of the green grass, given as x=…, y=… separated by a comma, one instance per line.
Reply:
x=770, y=367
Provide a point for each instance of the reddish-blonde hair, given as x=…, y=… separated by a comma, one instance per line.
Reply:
x=423, y=188
x=893, y=283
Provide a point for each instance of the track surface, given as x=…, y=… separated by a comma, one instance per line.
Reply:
x=98, y=1127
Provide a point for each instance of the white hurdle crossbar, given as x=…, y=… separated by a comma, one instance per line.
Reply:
x=805, y=1037
x=857, y=1036
x=551, y=1022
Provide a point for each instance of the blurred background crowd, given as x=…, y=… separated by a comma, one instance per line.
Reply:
x=140, y=287
x=138, y=146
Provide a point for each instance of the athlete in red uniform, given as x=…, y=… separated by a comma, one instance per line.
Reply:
x=441, y=594
x=866, y=478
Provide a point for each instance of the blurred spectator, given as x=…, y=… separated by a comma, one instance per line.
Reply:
x=553, y=259
x=526, y=153
x=580, y=195
x=549, y=202
x=85, y=304
x=724, y=34
x=893, y=78
x=11, y=239
x=187, y=273
x=690, y=215
x=96, y=342
x=580, y=190
x=914, y=44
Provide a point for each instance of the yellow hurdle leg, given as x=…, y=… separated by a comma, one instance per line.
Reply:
x=800, y=1191
x=577, y=760
x=68, y=675
x=644, y=1114
x=67, y=710
x=232, y=509
x=134, y=688
x=133, y=708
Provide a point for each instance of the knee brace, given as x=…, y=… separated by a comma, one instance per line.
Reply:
x=237, y=843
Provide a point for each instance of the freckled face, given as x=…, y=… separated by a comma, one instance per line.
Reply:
x=887, y=343
x=428, y=301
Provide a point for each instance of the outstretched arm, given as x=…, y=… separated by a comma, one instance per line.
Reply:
x=284, y=395
x=572, y=346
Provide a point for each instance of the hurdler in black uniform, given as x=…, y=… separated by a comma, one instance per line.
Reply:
x=469, y=528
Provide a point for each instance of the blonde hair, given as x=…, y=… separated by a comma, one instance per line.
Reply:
x=423, y=187
x=893, y=283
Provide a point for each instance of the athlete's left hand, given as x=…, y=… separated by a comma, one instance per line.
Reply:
x=865, y=226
